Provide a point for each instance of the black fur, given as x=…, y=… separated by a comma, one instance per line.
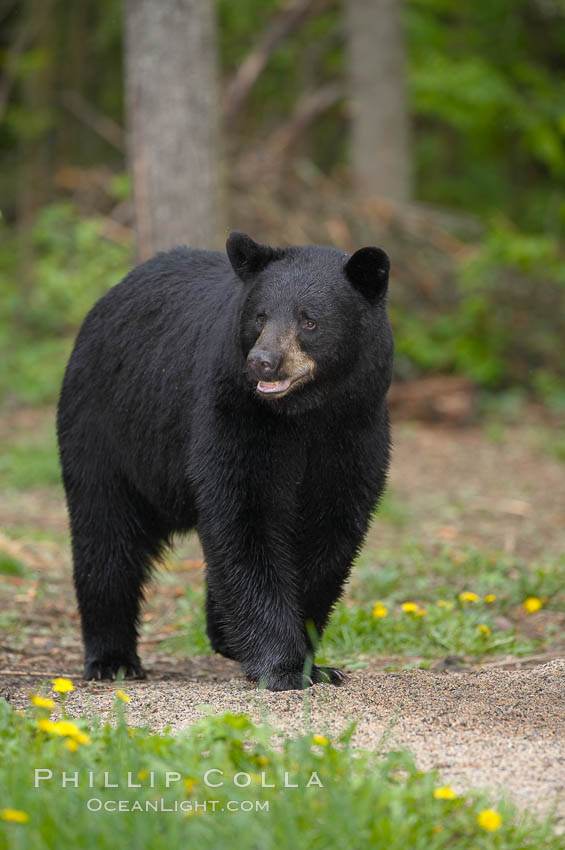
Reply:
x=162, y=429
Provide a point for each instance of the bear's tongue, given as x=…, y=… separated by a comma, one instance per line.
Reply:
x=274, y=386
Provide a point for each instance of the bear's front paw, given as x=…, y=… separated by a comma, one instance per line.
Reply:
x=289, y=681
x=297, y=680
x=108, y=667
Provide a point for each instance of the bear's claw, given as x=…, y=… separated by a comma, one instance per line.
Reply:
x=110, y=668
x=333, y=675
x=297, y=681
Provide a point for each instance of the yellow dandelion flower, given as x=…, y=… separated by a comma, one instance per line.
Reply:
x=82, y=738
x=190, y=783
x=130, y=731
x=71, y=745
x=421, y=612
x=483, y=630
x=263, y=760
x=379, y=611
x=533, y=604
x=46, y=725
x=489, y=819
x=320, y=739
x=41, y=702
x=490, y=597
x=443, y=603
x=142, y=774
x=122, y=695
x=445, y=793
x=62, y=686
x=410, y=607
x=469, y=596
x=66, y=728
x=14, y=815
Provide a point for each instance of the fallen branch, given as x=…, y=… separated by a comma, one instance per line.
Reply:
x=43, y=673
x=116, y=232
x=309, y=107
x=269, y=159
x=104, y=126
x=283, y=25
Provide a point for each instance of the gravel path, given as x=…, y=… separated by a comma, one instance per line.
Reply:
x=487, y=728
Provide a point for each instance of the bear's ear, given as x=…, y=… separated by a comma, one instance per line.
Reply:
x=247, y=257
x=368, y=270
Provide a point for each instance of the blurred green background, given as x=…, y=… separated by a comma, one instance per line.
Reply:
x=478, y=288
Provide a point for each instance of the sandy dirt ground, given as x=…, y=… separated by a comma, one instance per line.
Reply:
x=489, y=728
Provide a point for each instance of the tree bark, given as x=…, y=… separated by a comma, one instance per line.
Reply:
x=380, y=143
x=172, y=118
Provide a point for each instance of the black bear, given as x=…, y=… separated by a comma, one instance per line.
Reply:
x=243, y=396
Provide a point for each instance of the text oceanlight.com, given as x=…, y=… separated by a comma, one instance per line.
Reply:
x=95, y=804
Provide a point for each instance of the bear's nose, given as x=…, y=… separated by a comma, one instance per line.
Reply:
x=263, y=363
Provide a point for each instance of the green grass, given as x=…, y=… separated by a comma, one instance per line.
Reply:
x=411, y=571
x=37, y=535
x=464, y=630
x=375, y=799
x=413, y=574
x=30, y=463
x=10, y=566
x=33, y=368
x=552, y=442
x=542, y=438
x=190, y=621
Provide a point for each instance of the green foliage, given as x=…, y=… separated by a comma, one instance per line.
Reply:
x=376, y=800
x=490, y=107
x=487, y=98
x=485, y=87
x=507, y=324
x=25, y=464
x=32, y=368
x=73, y=266
x=10, y=566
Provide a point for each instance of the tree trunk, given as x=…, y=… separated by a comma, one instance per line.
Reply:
x=381, y=158
x=172, y=117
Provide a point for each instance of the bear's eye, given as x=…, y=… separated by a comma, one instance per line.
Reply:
x=308, y=324
x=260, y=319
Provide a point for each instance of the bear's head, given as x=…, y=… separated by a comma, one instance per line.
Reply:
x=313, y=322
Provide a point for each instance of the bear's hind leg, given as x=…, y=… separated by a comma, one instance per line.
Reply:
x=115, y=539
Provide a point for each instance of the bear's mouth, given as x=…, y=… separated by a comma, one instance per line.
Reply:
x=280, y=388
